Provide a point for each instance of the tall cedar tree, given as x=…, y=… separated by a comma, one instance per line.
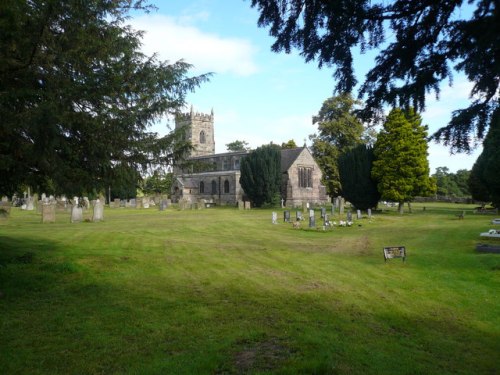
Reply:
x=421, y=44
x=358, y=186
x=401, y=168
x=77, y=96
x=484, y=180
x=338, y=131
x=261, y=175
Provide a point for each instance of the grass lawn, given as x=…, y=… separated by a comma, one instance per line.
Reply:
x=223, y=291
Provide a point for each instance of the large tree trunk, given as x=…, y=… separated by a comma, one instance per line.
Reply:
x=409, y=207
x=400, y=207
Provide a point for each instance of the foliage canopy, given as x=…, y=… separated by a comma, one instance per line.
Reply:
x=484, y=181
x=261, y=175
x=339, y=130
x=421, y=44
x=77, y=96
x=401, y=168
x=355, y=168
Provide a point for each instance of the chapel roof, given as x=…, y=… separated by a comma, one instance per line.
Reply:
x=288, y=156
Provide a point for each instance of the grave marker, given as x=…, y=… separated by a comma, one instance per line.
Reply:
x=98, y=213
x=394, y=252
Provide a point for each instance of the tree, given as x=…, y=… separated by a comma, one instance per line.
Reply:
x=77, y=96
x=421, y=43
x=355, y=168
x=157, y=183
x=484, y=180
x=290, y=144
x=237, y=146
x=338, y=130
x=451, y=184
x=401, y=168
x=261, y=175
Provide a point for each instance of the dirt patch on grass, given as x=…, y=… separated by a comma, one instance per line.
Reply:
x=260, y=356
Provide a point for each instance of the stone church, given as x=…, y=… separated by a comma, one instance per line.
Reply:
x=215, y=177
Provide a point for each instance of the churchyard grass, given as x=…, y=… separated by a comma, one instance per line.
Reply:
x=223, y=291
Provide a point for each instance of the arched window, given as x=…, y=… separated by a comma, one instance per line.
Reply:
x=202, y=137
x=226, y=187
x=202, y=187
x=214, y=187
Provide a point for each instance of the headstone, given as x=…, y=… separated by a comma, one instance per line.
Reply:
x=44, y=196
x=29, y=204
x=98, y=214
x=341, y=205
x=282, y=203
x=349, y=216
x=332, y=210
x=86, y=203
x=241, y=205
x=48, y=213
x=247, y=205
x=286, y=216
x=133, y=203
x=116, y=203
x=311, y=213
x=358, y=214
x=304, y=207
x=138, y=203
x=299, y=216
x=323, y=212
x=76, y=214
x=4, y=209
x=369, y=213
x=163, y=205
x=312, y=221
x=275, y=218
x=326, y=220
x=145, y=202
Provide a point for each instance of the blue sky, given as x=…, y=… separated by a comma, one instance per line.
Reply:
x=257, y=95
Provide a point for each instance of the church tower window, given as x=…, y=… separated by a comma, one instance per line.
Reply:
x=202, y=137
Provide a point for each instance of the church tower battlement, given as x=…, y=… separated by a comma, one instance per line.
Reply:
x=199, y=131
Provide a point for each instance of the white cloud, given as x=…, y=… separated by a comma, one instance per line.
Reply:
x=175, y=39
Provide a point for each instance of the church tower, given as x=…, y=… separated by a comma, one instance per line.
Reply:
x=199, y=130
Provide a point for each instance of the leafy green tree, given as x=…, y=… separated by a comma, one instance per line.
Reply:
x=77, y=96
x=261, y=175
x=338, y=131
x=419, y=41
x=451, y=184
x=157, y=183
x=401, y=168
x=484, y=180
x=237, y=146
x=355, y=168
x=461, y=178
x=290, y=144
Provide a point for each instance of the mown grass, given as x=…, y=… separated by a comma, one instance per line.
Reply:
x=222, y=291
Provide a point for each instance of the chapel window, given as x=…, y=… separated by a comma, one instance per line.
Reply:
x=202, y=137
x=305, y=177
x=226, y=187
x=214, y=187
x=202, y=187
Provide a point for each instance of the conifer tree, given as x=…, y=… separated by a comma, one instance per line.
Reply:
x=484, y=181
x=261, y=175
x=401, y=168
x=358, y=186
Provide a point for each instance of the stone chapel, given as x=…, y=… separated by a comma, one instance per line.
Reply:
x=215, y=177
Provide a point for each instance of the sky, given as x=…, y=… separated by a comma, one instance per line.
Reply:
x=259, y=96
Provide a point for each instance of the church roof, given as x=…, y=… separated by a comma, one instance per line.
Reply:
x=288, y=156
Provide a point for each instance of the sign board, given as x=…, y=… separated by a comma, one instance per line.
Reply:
x=394, y=252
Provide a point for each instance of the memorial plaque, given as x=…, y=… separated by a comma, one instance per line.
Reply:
x=394, y=252
x=286, y=216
